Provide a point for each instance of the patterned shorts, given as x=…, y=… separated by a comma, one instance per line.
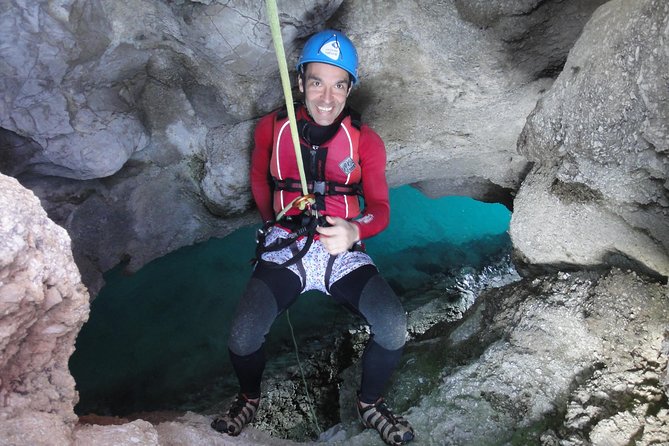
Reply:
x=312, y=268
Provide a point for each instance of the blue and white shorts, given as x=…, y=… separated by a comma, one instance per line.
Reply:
x=312, y=269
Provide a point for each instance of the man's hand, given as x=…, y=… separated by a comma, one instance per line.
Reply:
x=340, y=236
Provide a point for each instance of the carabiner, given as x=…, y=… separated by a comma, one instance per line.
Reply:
x=304, y=201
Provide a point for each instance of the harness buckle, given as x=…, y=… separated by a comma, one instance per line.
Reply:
x=262, y=233
x=319, y=187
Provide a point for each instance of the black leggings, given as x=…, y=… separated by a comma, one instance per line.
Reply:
x=363, y=291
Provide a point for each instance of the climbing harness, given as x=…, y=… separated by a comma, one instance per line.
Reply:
x=313, y=186
x=322, y=187
x=300, y=225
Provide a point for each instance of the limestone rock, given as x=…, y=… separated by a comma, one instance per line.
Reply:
x=446, y=77
x=598, y=193
x=43, y=305
x=194, y=429
x=127, y=434
x=622, y=400
x=225, y=186
x=121, y=102
x=134, y=126
x=35, y=428
x=535, y=30
x=62, y=72
x=581, y=353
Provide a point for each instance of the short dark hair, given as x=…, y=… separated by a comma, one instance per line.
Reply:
x=303, y=69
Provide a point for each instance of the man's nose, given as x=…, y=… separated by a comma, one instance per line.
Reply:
x=327, y=94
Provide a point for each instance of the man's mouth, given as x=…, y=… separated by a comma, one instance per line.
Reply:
x=324, y=109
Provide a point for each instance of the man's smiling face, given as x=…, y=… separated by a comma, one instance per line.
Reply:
x=325, y=89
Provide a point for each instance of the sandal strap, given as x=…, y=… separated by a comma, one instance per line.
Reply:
x=241, y=412
x=393, y=429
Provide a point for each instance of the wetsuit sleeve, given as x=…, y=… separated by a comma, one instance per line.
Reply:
x=376, y=214
x=261, y=186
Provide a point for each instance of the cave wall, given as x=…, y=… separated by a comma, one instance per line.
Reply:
x=599, y=141
x=134, y=125
x=75, y=71
x=43, y=305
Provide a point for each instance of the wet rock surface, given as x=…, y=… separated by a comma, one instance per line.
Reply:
x=562, y=359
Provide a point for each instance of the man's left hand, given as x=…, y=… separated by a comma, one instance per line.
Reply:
x=340, y=236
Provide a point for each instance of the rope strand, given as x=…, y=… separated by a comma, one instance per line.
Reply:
x=275, y=26
x=304, y=380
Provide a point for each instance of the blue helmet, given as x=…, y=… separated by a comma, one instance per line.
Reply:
x=331, y=47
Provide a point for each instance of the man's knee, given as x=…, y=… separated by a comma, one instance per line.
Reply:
x=383, y=311
x=255, y=314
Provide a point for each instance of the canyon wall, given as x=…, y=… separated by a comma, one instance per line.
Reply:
x=132, y=129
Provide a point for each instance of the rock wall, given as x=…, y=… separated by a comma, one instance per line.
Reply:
x=134, y=125
x=43, y=305
x=599, y=140
x=562, y=359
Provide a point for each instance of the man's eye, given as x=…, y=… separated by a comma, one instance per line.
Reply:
x=316, y=84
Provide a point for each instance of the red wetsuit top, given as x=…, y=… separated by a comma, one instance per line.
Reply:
x=274, y=156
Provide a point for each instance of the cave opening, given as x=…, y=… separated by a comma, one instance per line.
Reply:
x=156, y=340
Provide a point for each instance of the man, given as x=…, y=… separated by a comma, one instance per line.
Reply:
x=320, y=247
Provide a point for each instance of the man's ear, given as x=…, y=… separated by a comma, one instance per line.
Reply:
x=299, y=83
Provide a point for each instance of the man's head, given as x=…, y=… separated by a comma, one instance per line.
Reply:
x=325, y=89
x=327, y=70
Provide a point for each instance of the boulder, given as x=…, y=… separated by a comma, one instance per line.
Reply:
x=43, y=305
x=599, y=141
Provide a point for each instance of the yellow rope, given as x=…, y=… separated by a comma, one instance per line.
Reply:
x=305, y=199
x=273, y=16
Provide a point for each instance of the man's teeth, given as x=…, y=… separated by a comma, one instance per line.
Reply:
x=325, y=109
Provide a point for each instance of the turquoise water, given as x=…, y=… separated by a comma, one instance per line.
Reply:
x=161, y=333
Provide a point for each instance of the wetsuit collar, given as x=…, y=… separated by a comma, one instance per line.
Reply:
x=316, y=134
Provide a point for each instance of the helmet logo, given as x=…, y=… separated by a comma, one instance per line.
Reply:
x=331, y=49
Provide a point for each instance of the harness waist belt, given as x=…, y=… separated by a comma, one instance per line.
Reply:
x=319, y=187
